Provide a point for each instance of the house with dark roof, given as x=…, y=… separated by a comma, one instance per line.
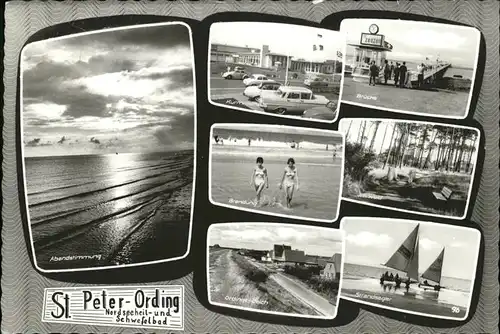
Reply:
x=284, y=253
x=316, y=260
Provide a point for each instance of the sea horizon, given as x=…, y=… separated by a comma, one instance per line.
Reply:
x=104, y=154
x=348, y=266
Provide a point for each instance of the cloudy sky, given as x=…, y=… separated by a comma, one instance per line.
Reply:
x=127, y=90
x=414, y=41
x=312, y=240
x=381, y=143
x=372, y=242
x=278, y=37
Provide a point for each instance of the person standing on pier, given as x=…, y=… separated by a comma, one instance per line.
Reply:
x=387, y=71
x=373, y=73
x=392, y=71
x=402, y=75
x=421, y=70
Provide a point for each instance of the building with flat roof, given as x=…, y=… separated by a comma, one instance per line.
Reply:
x=265, y=58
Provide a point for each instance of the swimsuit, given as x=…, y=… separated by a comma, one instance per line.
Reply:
x=290, y=177
x=259, y=176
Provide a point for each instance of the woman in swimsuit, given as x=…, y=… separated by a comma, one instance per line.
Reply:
x=259, y=178
x=290, y=181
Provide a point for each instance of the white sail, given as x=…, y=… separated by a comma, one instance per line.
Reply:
x=406, y=256
x=433, y=273
x=412, y=270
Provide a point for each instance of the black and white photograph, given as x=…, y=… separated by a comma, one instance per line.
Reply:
x=414, y=167
x=277, y=170
x=414, y=67
x=415, y=267
x=284, y=269
x=108, y=133
x=275, y=68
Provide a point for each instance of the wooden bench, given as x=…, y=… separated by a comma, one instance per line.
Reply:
x=444, y=194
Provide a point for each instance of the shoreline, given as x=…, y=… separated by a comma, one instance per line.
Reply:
x=406, y=304
x=106, y=154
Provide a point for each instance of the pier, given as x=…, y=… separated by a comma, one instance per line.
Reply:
x=431, y=75
x=436, y=72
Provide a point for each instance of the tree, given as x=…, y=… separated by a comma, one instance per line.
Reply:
x=401, y=129
x=406, y=143
x=383, y=140
x=451, y=149
x=431, y=147
x=348, y=129
x=377, y=124
x=363, y=135
x=390, y=145
x=425, y=136
x=358, y=141
x=441, y=146
x=356, y=160
x=446, y=145
x=472, y=149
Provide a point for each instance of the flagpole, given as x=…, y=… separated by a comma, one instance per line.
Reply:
x=286, y=71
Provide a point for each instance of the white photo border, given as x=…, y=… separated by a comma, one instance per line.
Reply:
x=409, y=112
x=337, y=110
x=418, y=212
x=236, y=207
x=120, y=325
x=428, y=223
x=342, y=234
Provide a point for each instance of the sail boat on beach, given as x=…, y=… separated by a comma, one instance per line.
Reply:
x=405, y=259
x=433, y=273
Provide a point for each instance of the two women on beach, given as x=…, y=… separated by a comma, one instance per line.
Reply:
x=289, y=180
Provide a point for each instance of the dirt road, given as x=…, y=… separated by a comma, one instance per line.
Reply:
x=302, y=293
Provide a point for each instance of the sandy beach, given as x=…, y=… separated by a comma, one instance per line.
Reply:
x=319, y=180
x=447, y=303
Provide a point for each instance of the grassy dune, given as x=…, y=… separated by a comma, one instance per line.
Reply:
x=279, y=300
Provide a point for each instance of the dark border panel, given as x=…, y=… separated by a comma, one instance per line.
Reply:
x=123, y=275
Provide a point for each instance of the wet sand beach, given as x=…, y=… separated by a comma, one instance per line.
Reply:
x=319, y=180
x=446, y=303
x=109, y=210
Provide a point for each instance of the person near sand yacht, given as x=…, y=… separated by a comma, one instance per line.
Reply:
x=290, y=181
x=259, y=179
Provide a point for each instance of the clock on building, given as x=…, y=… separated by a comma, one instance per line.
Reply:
x=373, y=29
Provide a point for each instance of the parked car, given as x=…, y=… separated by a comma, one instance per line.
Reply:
x=236, y=74
x=256, y=79
x=327, y=112
x=254, y=92
x=316, y=82
x=291, y=100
